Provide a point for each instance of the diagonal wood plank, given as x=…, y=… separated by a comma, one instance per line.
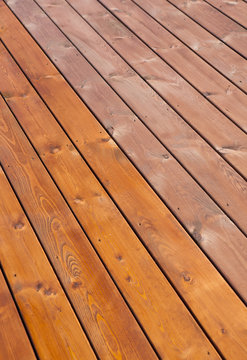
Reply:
x=208, y=225
x=212, y=50
x=226, y=186
x=54, y=328
x=150, y=296
x=217, y=23
x=14, y=343
x=196, y=280
x=111, y=327
x=212, y=85
x=235, y=9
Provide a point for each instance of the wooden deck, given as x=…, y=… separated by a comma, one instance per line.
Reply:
x=123, y=195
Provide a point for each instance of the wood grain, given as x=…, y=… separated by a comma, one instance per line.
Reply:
x=193, y=275
x=217, y=54
x=237, y=9
x=217, y=23
x=171, y=181
x=151, y=297
x=14, y=343
x=54, y=329
x=227, y=187
x=208, y=225
x=207, y=80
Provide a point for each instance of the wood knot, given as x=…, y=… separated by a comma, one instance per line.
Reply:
x=19, y=225
x=165, y=156
x=119, y=257
x=54, y=149
x=78, y=200
x=39, y=286
x=76, y=284
x=186, y=277
x=128, y=278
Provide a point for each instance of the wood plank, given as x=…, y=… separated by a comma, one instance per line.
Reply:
x=167, y=83
x=212, y=50
x=236, y=9
x=193, y=276
x=54, y=328
x=14, y=343
x=110, y=325
x=151, y=297
x=218, y=24
x=212, y=85
x=225, y=186
x=208, y=225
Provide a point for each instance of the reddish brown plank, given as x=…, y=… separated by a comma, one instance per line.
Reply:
x=151, y=297
x=209, y=226
x=51, y=322
x=219, y=55
x=14, y=343
x=217, y=23
x=226, y=186
x=235, y=9
x=221, y=92
x=193, y=275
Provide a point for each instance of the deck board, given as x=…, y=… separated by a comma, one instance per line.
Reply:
x=14, y=342
x=236, y=10
x=67, y=169
x=142, y=284
x=35, y=286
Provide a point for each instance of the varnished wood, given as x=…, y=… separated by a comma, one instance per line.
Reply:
x=219, y=55
x=217, y=23
x=14, y=343
x=110, y=325
x=209, y=226
x=193, y=275
x=151, y=297
x=225, y=186
x=237, y=10
x=40, y=298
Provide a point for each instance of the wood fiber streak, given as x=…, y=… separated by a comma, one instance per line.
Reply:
x=226, y=186
x=14, y=343
x=147, y=291
x=170, y=85
x=107, y=320
x=208, y=225
x=217, y=23
x=235, y=9
x=193, y=275
x=54, y=329
x=216, y=53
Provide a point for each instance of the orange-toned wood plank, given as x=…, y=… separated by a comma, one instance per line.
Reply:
x=208, y=225
x=225, y=186
x=211, y=84
x=235, y=9
x=194, y=277
x=107, y=320
x=150, y=296
x=219, y=55
x=14, y=343
x=217, y=23
x=54, y=328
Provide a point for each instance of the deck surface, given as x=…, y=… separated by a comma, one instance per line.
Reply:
x=123, y=165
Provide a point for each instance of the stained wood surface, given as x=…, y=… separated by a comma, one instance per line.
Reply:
x=38, y=294
x=225, y=186
x=151, y=297
x=227, y=97
x=193, y=276
x=219, y=25
x=72, y=178
x=107, y=320
x=14, y=343
x=208, y=225
x=216, y=53
x=237, y=9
